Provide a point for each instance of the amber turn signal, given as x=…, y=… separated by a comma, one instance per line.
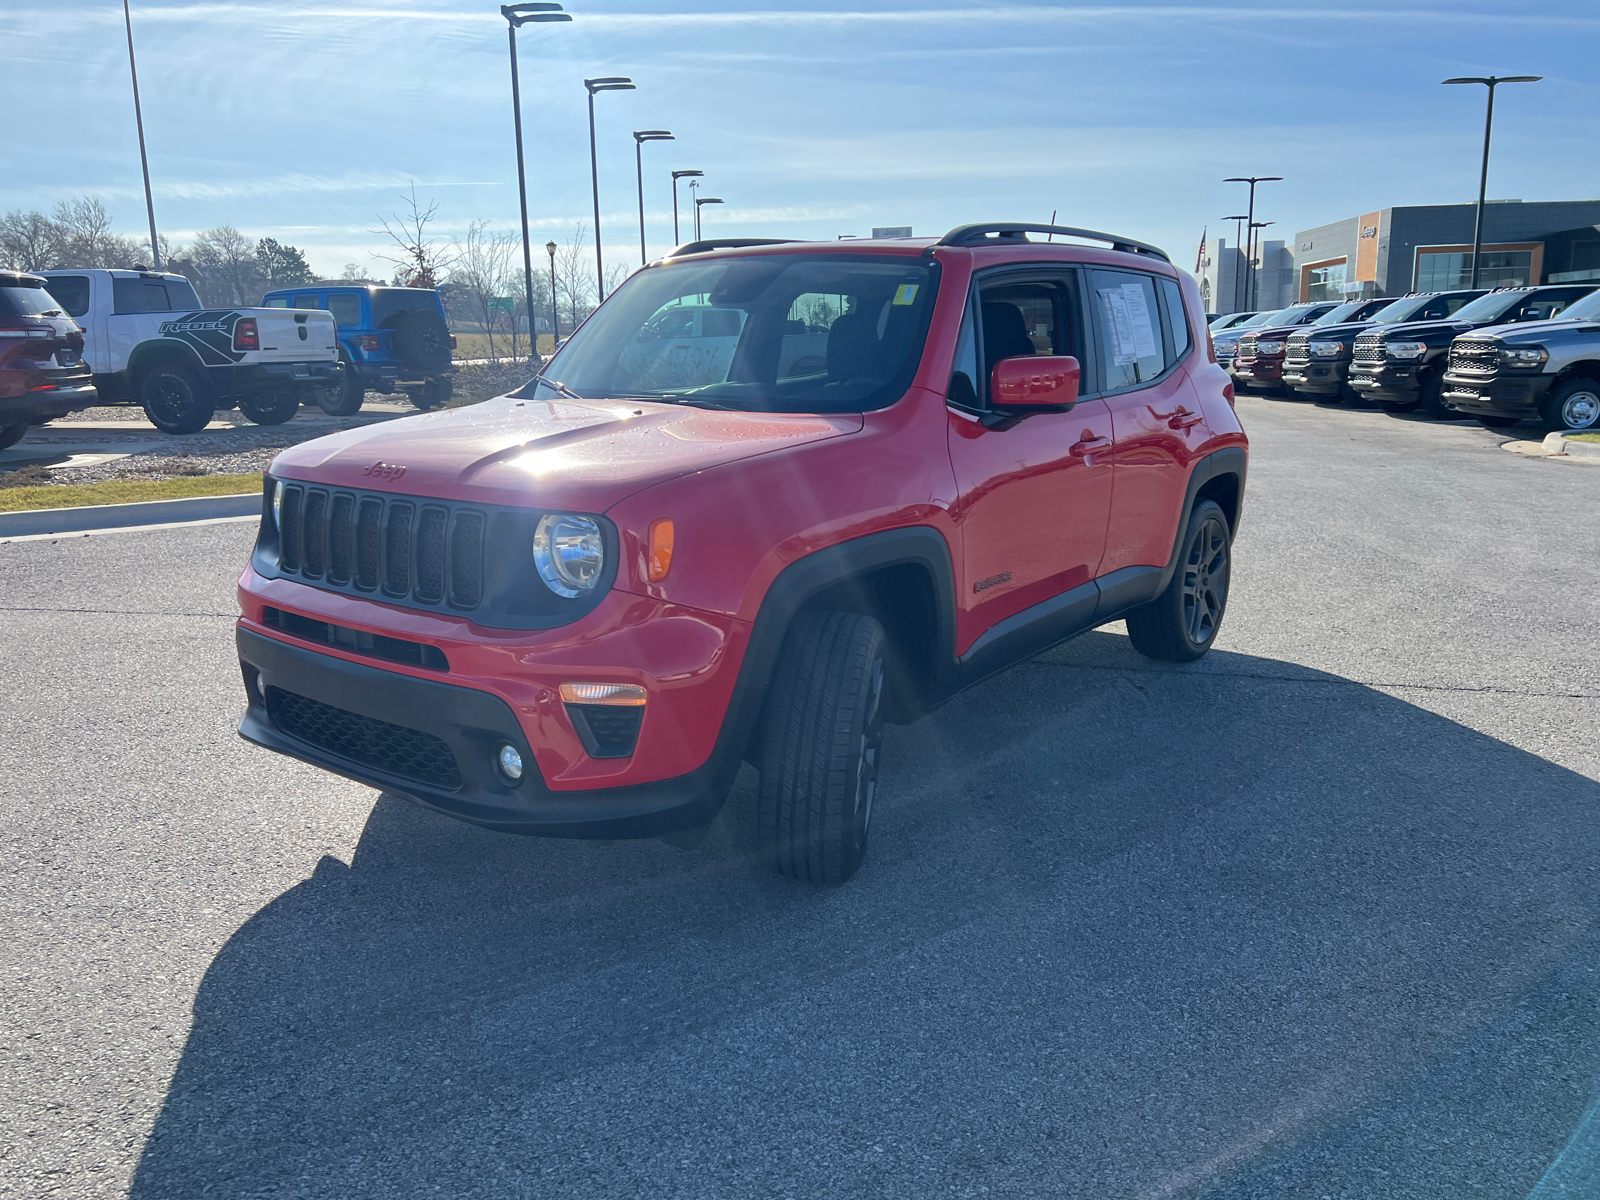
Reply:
x=658, y=560
x=624, y=695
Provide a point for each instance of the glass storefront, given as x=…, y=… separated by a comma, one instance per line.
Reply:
x=1325, y=283
x=1445, y=272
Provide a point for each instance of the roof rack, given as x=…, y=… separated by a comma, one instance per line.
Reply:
x=726, y=244
x=1017, y=231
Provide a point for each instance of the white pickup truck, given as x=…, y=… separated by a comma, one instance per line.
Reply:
x=148, y=340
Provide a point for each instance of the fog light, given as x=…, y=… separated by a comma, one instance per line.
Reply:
x=261, y=687
x=509, y=762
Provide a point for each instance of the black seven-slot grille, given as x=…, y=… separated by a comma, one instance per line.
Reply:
x=406, y=548
x=409, y=753
x=1368, y=352
x=1482, y=357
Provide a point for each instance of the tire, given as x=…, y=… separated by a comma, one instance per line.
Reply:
x=272, y=408
x=10, y=435
x=1574, y=407
x=1181, y=624
x=1327, y=399
x=421, y=340
x=1432, y=398
x=432, y=394
x=1498, y=422
x=174, y=400
x=821, y=738
x=346, y=397
x=1395, y=407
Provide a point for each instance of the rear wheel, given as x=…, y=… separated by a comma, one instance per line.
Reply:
x=10, y=435
x=1574, y=407
x=273, y=408
x=174, y=400
x=345, y=397
x=821, y=737
x=1181, y=624
x=432, y=394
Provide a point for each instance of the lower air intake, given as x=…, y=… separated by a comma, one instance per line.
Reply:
x=394, y=749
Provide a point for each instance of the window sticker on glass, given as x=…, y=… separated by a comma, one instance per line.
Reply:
x=906, y=293
x=1120, y=325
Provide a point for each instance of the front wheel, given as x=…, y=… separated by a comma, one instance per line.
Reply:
x=1432, y=398
x=1395, y=407
x=1574, y=407
x=174, y=400
x=821, y=737
x=1181, y=624
x=1498, y=422
x=272, y=409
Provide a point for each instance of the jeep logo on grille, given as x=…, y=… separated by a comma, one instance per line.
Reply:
x=386, y=471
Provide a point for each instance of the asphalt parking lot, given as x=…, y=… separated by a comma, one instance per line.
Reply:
x=1314, y=917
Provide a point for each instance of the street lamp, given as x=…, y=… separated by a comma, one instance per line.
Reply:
x=1250, y=270
x=555, y=310
x=516, y=16
x=608, y=83
x=640, y=137
x=144, y=163
x=1489, y=81
x=1238, y=284
x=698, y=201
x=1255, y=275
x=677, y=175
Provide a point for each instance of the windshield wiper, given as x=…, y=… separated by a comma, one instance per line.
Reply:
x=560, y=387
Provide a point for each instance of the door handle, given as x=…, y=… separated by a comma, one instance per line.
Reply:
x=1087, y=444
x=1177, y=412
x=1184, y=419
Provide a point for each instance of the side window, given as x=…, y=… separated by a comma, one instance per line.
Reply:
x=1543, y=308
x=1022, y=318
x=1125, y=318
x=1177, y=319
x=130, y=296
x=275, y=302
x=71, y=292
x=307, y=302
x=1454, y=302
x=1436, y=309
x=346, y=310
x=963, y=389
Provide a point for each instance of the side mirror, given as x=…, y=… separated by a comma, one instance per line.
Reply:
x=1040, y=383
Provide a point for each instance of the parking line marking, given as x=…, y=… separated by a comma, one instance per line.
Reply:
x=83, y=533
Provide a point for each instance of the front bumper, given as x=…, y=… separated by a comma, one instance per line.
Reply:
x=1317, y=376
x=1385, y=381
x=1258, y=370
x=1502, y=394
x=436, y=743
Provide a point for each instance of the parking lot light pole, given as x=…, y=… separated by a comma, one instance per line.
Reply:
x=1238, y=271
x=698, y=201
x=138, y=121
x=1490, y=82
x=640, y=137
x=608, y=83
x=516, y=16
x=555, y=309
x=677, y=175
x=1250, y=269
x=1255, y=274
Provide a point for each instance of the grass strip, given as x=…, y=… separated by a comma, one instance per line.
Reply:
x=125, y=491
x=1584, y=437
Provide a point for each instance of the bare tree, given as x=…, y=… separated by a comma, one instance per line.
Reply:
x=29, y=241
x=420, y=261
x=482, y=269
x=574, y=282
x=229, y=271
x=86, y=239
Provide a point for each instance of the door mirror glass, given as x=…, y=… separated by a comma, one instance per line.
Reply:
x=1035, y=381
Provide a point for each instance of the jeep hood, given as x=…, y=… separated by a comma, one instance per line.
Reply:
x=580, y=456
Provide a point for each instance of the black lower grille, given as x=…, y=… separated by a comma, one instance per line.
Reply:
x=607, y=730
x=375, y=645
x=409, y=753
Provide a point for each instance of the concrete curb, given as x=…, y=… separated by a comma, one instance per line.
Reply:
x=1561, y=443
x=125, y=516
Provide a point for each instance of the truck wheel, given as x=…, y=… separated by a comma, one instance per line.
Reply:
x=432, y=394
x=10, y=435
x=1498, y=422
x=174, y=400
x=272, y=408
x=1432, y=398
x=1574, y=407
x=344, y=399
x=1328, y=399
x=1395, y=407
x=820, y=740
x=1181, y=624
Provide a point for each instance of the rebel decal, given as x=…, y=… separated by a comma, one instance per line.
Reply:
x=208, y=333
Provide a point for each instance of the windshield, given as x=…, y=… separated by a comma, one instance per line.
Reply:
x=1587, y=309
x=1487, y=308
x=1261, y=320
x=1345, y=312
x=768, y=332
x=1400, y=310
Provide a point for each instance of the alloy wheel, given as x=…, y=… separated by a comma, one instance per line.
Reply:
x=1205, y=580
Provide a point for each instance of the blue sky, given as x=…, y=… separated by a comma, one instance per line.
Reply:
x=305, y=120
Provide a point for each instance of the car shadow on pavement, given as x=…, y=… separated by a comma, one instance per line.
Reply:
x=1238, y=928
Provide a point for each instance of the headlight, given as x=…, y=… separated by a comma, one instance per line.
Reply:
x=1269, y=347
x=1406, y=349
x=277, y=503
x=1325, y=349
x=569, y=553
x=1531, y=357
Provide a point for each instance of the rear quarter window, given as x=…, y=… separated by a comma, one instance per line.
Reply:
x=131, y=296
x=346, y=310
x=71, y=292
x=1177, y=318
x=275, y=302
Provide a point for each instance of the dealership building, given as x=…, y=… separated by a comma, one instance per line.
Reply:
x=1425, y=248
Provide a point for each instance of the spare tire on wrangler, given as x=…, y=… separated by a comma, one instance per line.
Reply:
x=421, y=340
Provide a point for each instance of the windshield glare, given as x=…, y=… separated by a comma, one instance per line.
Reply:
x=1336, y=315
x=1487, y=308
x=773, y=332
x=1587, y=309
x=1267, y=318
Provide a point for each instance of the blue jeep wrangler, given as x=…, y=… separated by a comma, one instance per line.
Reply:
x=389, y=337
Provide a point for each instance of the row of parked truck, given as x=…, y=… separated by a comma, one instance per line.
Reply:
x=1503, y=355
x=70, y=339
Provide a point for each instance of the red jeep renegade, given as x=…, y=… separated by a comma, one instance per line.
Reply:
x=768, y=497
